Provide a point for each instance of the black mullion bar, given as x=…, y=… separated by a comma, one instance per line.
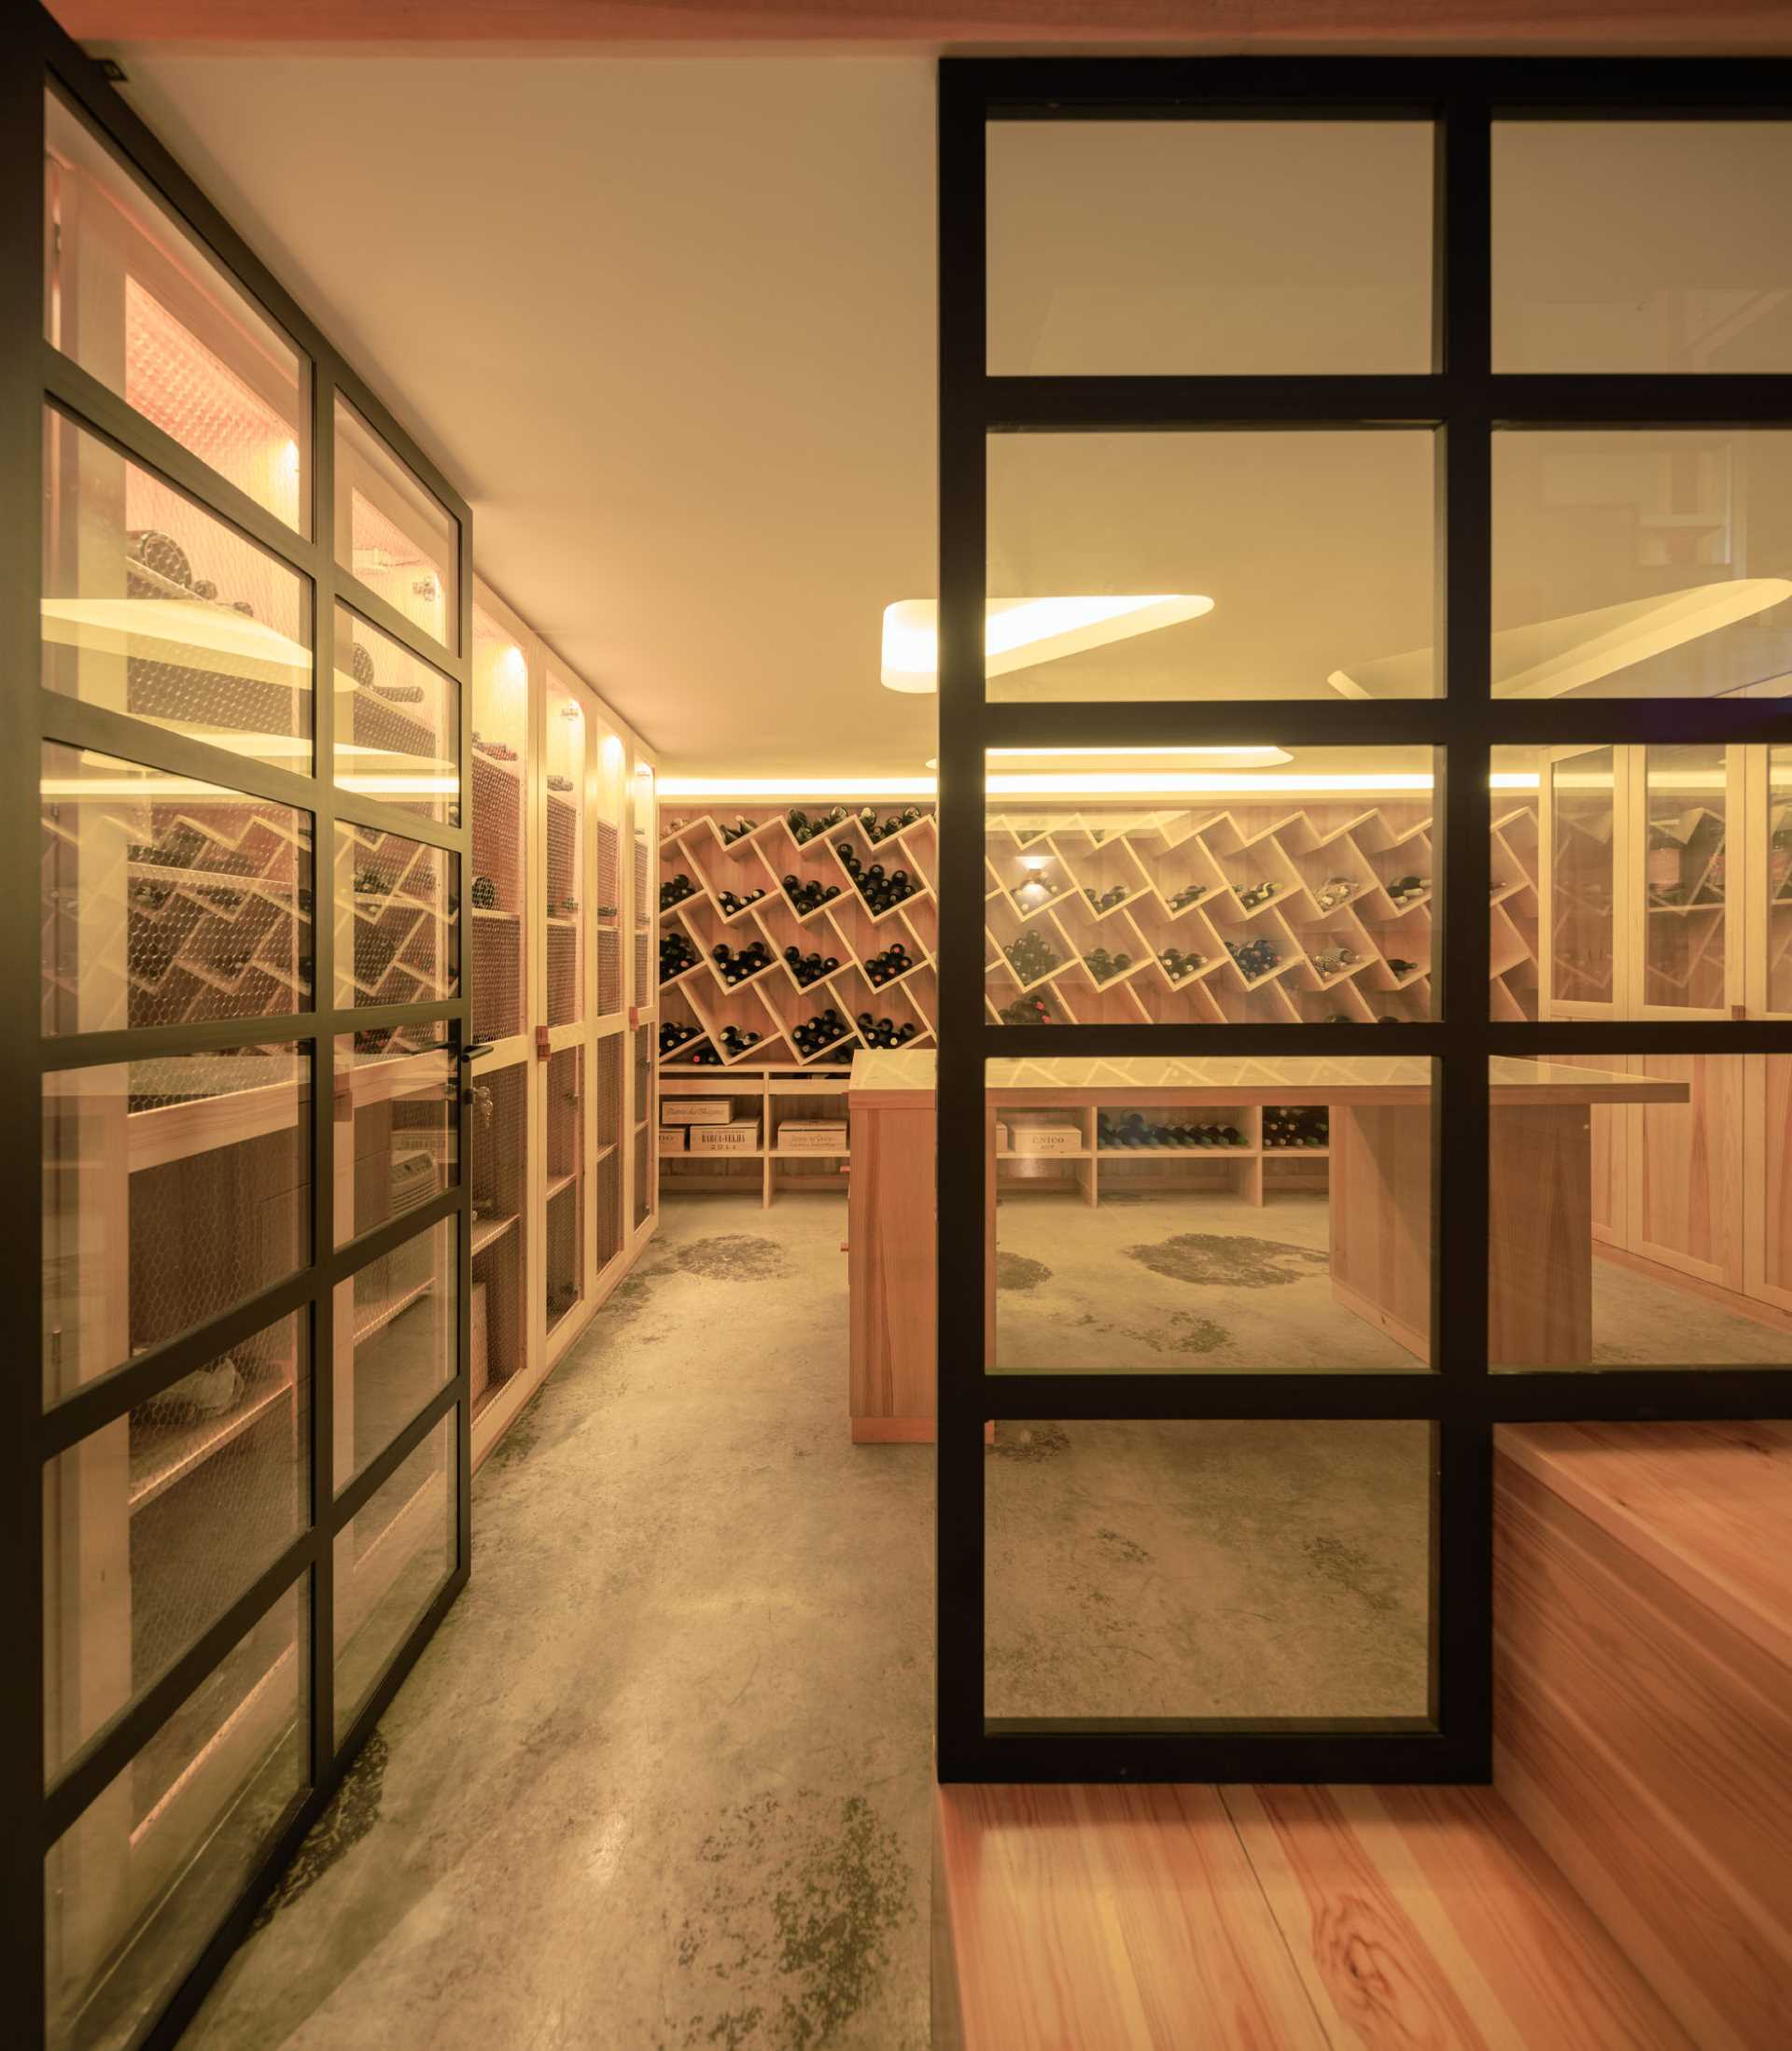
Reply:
x=144, y=1043
x=322, y=1647
x=1056, y=1752
x=98, y=409
x=21, y=1276
x=113, y=1746
x=1619, y=399
x=1642, y=1037
x=462, y=1038
x=1197, y=1042
x=1093, y=1395
x=354, y=1496
x=338, y=1264
x=959, y=1103
x=77, y=723
x=379, y=815
x=1171, y=405
x=110, y=1396
x=383, y=613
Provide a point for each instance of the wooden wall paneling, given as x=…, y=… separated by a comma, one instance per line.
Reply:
x=1540, y=1241
x=1767, y=1183
x=892, y=1272
x=1380, y=1219
x=1684, y=1172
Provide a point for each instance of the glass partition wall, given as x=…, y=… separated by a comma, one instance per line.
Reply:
x=236, y=1483
x=1323, y=446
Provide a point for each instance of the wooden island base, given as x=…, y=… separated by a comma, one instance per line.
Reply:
x=1540, y=1222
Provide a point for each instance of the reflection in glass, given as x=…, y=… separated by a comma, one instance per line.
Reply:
x=1643, y=563
x=1582, y=846
x=154, y=608
x=391, y=1560
x=1209, y=247
x=136, y=301
x=156, y=1524
x=564, y=845
x=398, y=905
x=1315, y=549
x=135, y=1889
x=1778, y=879
x=397, y=1124
x=1642, y=245
x=174, y=1187
x=498, y=1124
x=1686, y=889
x=393, y=533
x=1247, y=1571
x=167, y=901
x=1182, y=1216
x=498, y=891
x=395, y=1344
x=396, y=723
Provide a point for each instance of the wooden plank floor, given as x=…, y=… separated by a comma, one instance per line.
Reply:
x=1643, y=1698
x=1164, y=1919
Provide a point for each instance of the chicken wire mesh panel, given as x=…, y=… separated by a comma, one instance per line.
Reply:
x=497, y=897
x=133, y=298
x=174, y=1509
x=167, y=902
x=609, y=917
x=397, y=720
x=647, y=1178
x=498, y=1154
x=174, y=1187
x=397, y=1124
x=566, y=1182
x=152, y=606
x=609, y=1193
x=397, y=925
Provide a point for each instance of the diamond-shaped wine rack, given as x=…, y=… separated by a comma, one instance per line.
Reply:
x=1245, y=912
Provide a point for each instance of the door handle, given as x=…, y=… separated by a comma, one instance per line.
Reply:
x=476, y=1049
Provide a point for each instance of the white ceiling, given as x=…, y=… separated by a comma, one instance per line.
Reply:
x=670, y=324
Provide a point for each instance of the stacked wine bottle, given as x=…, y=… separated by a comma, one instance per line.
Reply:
x=1294, y=1124
x=1133, y=1131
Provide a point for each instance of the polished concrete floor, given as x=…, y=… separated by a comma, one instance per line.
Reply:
x=662, y=1779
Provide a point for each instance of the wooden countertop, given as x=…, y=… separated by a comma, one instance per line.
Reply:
x=903, y=1076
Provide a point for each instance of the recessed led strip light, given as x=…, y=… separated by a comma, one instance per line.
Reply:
x=1112, y=783
x=1019, y=632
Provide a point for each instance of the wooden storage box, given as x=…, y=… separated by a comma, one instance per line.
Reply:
x=724, y=1139
x=1044, y=1139
x=812, y=1136
x=694, y=1111
x=672, y=1139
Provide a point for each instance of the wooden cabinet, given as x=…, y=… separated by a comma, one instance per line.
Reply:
x=553, y=1149
x=1664, y=888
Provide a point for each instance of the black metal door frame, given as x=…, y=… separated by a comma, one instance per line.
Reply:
x=1461, y=402
x=33, y=375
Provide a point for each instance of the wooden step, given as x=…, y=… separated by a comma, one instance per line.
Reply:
x=1643, y=1698
x=1283, y=1919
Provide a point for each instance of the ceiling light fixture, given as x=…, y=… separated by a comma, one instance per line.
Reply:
x=1020, y=632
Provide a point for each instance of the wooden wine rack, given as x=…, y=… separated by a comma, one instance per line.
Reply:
x=773, y=1002
x=1149, y=858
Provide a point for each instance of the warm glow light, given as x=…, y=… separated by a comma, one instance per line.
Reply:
x=513, y=667
x=836, y=787
x=1020, y=632
x=1240, y=758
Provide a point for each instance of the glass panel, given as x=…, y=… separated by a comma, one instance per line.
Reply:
x=395, y=1344
x=1583, y=841
x=499, y=1128
x=396, y=723
x=167, y=901
x=174, y=1187
x=135, y=301
x=1177, y=888
x=1684, y=877
x=647, y=1170
x=565, y=747
x=1643, y=563
x=1515, y=872
x=1199, y=1216
x=398, y=926
x=643, y=819
x=152, y=606
x=1778, y=879
x=155, y=1525
x=499, y=890
x=566, y=1182
x=392, y=1559
x=1246, y=1570
x=136, y=1889
x=610, y=1135
x=1620, y=1188
x=607, y=826
x=1642, y=245
x=393, y=533
x=1209, y=247
x=1200, y=566
x=397, y=1123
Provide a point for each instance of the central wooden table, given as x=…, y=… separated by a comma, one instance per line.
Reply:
x=1540, y=1251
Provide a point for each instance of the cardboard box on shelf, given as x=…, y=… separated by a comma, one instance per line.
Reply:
x=1045, y=1139
x=812, y=1136
x=724, y=1139
x=672, y=1139
x=694, y=1111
